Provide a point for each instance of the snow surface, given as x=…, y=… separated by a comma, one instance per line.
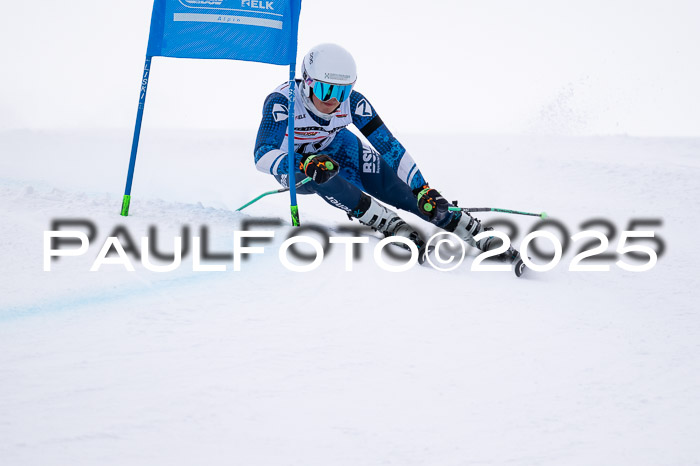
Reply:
x=270, y=367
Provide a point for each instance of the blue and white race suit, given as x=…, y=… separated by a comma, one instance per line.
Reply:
x=383, y=169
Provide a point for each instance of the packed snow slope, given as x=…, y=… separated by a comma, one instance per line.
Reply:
x=271, y=367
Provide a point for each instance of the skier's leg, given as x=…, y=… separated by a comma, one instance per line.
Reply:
x=337, y=191
x=374, y=175
x=378, y=179
x=342, y=194
x=361, y=165
x=365, y=169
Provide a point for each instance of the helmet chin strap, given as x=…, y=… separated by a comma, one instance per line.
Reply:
x=309, y=105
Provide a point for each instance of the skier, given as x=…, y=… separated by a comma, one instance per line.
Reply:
x=346, y=172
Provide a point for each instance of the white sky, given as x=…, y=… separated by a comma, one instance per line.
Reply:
x=571, y=67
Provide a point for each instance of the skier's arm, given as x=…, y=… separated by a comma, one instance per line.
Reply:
x=269, y=157
x=366, y=119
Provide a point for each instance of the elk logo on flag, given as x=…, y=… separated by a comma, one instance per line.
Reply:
x=260, y=4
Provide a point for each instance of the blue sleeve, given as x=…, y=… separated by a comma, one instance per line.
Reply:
x=269, y=155
x=366, y=119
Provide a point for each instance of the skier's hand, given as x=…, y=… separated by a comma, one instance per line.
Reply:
x=320, y=168
x=431, y=202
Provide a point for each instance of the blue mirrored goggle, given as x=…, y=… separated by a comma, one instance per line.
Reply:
x=325, y=91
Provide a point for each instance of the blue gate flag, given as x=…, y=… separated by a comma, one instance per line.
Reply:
x=252, y=30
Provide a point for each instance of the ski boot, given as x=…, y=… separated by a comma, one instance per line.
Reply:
x=466, y=227
x=386, y=221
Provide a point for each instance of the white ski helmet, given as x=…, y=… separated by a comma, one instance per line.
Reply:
x=328, y=71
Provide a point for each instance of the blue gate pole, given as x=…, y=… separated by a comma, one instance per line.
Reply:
x=290, y=150
x=135, y=143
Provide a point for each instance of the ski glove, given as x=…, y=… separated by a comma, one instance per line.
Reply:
x=431, y=203
x=319, y=167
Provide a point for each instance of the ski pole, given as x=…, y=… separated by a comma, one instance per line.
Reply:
x=493, y=209
x=281, y=190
